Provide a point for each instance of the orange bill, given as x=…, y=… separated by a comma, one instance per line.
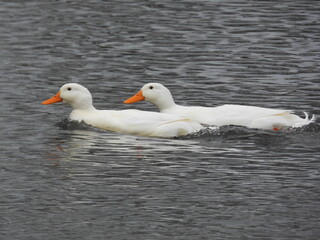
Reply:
x=135, y=98
x=54, y=99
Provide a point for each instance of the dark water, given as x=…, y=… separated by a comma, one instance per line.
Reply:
x=73, y=182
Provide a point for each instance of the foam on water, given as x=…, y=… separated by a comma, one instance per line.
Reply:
x=226, y=132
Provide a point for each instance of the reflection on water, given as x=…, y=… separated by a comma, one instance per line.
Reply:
x=89, y=145
x=197, y=182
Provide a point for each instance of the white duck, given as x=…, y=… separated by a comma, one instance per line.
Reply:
x=249, y=116
x=129, y=121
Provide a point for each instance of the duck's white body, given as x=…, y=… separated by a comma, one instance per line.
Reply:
x=248, y=116
x=137, y=122
x=134, y=122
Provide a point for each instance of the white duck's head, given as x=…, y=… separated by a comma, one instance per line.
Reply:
x=154, y=93
x=74, y=94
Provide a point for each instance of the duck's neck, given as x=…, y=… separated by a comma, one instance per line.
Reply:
x=164, y=103
x=81, y=114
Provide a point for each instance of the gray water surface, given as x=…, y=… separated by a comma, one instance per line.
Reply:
x=67, y=181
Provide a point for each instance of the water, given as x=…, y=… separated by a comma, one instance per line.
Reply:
x=75, y=182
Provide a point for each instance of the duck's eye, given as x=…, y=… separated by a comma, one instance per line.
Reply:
x=69, y=88
x=151, y=87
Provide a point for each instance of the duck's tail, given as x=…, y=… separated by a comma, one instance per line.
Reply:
x=305, y=121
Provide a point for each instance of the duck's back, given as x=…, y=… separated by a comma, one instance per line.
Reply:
x=155, y=124
x=228, y=114
x=137, y=122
